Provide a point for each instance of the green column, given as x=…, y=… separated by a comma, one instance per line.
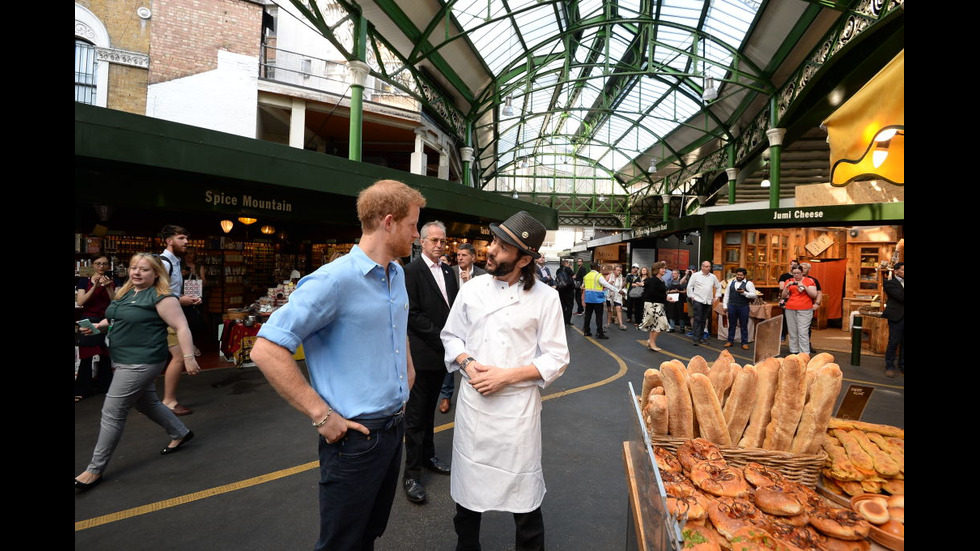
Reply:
x=359, y=71
x=732, y=173
x=775, y=136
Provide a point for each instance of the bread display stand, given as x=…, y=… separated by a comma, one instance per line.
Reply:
x=768, y=337
x=653, y=527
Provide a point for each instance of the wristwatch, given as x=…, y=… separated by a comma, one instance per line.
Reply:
x=462, y=365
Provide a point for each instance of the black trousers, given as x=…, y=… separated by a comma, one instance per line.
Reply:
x=529, y=537
x=567, y=297
x=896, y=345
x=593, y=308
x=420, y=420
x=578, y=300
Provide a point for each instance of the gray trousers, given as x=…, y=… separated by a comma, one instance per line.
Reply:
x=798, y=330
x=132, y=385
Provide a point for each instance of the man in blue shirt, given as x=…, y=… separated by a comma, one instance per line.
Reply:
x=356, y=396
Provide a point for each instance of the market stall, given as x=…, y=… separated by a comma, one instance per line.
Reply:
x=722, y=454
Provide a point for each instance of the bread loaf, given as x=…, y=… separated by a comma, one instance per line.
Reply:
x=819, y=407
x=740, y=401
x=883, y=463
x=859, y=458
x=711, y=420
x=819, y=361
x=698, y=365
x=651, y=379
x=656, y=415
x=767, y=373
x=787, y=406
x=681, y=417
x=721, y=377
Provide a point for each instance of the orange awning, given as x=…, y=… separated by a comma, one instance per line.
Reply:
x=851, y=130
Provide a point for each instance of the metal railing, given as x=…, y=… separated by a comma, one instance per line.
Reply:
x=296, y=69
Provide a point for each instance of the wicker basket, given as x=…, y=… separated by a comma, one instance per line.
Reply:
x=804, y=469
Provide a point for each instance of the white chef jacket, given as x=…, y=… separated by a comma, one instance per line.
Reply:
x=497, y=438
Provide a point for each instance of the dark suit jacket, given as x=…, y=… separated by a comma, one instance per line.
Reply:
x=427, y=313
x=476, y=271
x=895, y=307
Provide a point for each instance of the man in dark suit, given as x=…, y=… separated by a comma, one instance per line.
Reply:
x=895, y=314
x=464, y=271
x=432, y=288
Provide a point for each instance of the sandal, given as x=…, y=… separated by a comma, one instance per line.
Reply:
x=622, y=328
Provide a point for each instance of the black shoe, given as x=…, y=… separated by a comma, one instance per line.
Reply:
x=414, y=490
x=587, y=334
x=86, y=486
x=602, y=336
x=436, y=465
x=696, y=342
x=173, y=449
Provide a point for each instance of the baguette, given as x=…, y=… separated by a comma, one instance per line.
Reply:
x=656, y=415
x=707, y=407
x=720, y=375
x=738, y=407
x=819, y=361
x=681, y=411
x=698, y=365
x=651, y=379
x=787, y=407
x=818, y=409
x=767, y=373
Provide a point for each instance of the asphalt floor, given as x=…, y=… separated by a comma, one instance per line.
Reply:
x=248, y=481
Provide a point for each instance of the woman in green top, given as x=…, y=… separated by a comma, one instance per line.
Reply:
x=140, y=314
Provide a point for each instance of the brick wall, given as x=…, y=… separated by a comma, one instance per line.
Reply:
x=187, y=35
x=127, y=89
x=127, y=31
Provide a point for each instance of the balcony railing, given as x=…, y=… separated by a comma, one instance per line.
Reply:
x=323, y=75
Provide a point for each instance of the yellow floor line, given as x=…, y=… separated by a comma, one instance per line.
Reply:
x=181, y=500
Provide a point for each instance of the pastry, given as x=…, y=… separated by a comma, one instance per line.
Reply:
x=728, y=515
x=666, y=460
x=776, y=500
x=884, y=430
x=841, y=523
x=882, y=462
x=719, y=480
x=698, y=450
x=759, y=475
x=873, y=511
x=699, y=538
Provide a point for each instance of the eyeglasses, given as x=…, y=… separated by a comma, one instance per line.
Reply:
x=436, y=240
x=100, y=263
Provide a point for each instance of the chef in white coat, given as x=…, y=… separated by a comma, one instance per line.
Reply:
x=506, y=335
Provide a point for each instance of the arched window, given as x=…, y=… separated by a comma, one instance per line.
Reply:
x=85, y=80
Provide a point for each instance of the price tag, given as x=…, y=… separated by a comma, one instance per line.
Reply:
x=855, y=400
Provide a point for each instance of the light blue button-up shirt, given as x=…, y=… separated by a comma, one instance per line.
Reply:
x=352, y=319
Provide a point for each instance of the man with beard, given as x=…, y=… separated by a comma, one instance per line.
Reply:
x=175, y=238
x=432, y=289
x=357, y=392
x=505, y=335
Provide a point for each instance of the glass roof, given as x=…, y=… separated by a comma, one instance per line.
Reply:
x=602, y=81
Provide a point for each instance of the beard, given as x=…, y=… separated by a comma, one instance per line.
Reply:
x=501, y=269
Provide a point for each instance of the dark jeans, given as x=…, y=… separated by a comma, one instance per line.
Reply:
x=530, y=530
x=738, y=315
x=578, y=300
x=701, y=319
x=675, y=313
x=420, y=419
x=896, y=343
x=358, y=479
x=593, y=308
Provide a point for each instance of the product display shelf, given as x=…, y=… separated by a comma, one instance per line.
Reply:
x=653, y=527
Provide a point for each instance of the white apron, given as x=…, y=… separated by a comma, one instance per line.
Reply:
x=497, y=438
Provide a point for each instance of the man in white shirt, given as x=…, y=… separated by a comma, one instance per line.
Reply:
x=738, y=295
x=702, y=289
x=506, y=336
x=176, y=239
